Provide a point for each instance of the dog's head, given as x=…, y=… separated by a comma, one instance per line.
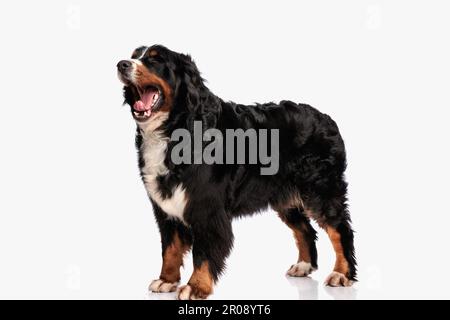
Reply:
x=154, y=79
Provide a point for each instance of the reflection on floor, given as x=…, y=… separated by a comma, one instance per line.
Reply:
x=307, y=289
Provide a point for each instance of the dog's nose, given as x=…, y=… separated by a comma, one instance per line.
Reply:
x=124, y=65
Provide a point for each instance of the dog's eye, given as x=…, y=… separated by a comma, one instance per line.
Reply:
x=157, y=58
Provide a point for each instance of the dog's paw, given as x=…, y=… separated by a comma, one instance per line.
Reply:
x=189, y=292
x=337, y=279
x=301, y=269
x=159, y=285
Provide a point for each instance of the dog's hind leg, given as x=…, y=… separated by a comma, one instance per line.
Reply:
x=344, y=272
x=332, y=215
x=305, y=237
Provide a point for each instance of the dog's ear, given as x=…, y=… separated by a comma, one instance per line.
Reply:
x=190, y=70
x=192, y=81
x=203, y=105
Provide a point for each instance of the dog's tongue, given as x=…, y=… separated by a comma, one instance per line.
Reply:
x=147, y=99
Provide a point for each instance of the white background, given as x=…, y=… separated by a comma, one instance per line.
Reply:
x=74, y=218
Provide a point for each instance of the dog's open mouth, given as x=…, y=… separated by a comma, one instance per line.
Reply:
x=148, y=101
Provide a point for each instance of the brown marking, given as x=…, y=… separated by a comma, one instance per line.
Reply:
x=173, y=260
x=341, y=264
x=201, y=281
x=153, y=53
x=302, y=244
x=146, y=78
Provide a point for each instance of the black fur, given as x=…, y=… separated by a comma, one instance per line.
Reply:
x=312, y=165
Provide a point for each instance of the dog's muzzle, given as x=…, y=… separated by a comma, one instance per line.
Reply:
x=124, y=66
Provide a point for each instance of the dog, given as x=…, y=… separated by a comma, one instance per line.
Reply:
x=194, y=203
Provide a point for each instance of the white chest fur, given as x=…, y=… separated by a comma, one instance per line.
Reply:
x=153, y=150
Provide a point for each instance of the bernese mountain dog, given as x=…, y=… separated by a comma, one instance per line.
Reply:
x=194, y=203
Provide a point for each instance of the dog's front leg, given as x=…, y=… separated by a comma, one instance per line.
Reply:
x=176, y=240
x=213, y=239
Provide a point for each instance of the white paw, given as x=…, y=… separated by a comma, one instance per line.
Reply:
x=337, y=279
x=159, y=285
x=301, y=269
x=187, y=293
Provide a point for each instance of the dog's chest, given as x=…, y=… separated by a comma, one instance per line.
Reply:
x=154, y=148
